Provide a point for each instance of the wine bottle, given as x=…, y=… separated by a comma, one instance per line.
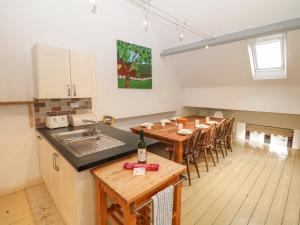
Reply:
x=142, y=149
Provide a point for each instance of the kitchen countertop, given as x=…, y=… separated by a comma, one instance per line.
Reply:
x=98, y=158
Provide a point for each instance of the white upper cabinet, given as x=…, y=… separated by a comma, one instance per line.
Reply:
x=83, y=74
x=51, y=72
x=61, y=73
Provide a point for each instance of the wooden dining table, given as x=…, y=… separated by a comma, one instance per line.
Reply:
x=168, y=134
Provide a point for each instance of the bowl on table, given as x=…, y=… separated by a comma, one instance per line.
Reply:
x=147, y=124
x=202, y=126
x=185, y=132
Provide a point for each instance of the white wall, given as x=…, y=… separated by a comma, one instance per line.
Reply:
x=18, y=160
x=277, y=99
x=70, y=24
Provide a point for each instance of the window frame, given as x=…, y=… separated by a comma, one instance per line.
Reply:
x=269, y=73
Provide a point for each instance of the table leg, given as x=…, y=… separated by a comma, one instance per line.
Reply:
x=129, y=216
x=177, y=204
x=101, y=204
x=178, y=152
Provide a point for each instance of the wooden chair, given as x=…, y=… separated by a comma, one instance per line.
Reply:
x=218, y=140
x=206, y=143
x=228, y=134
x=225, y=138
x=109, y=120
x=189, y=153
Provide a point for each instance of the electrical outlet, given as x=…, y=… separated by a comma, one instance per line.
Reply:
x=74, y=104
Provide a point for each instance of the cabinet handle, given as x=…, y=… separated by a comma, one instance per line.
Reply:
x=39, y=137
x=57, y=162
x=53, y=161
x=74, y=90
x=69, y=90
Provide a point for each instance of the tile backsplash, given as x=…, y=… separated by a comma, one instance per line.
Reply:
x=56, y=107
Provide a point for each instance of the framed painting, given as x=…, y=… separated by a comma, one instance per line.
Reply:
x=134, y=66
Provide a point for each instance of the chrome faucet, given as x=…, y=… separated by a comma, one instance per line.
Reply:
x=97, y=129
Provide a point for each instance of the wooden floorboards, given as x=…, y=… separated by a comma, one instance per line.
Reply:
x=251, y=186
x=32, y=206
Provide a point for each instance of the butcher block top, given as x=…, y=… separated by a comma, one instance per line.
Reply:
x=131, y=187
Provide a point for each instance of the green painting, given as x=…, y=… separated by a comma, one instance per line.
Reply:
x=134, y=66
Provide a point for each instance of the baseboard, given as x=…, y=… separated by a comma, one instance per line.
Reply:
x=27, y=184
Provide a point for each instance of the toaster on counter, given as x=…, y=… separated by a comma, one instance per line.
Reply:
x=77, y=119
x=53, y=122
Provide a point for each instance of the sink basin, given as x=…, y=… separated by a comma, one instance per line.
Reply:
x=74, y=136
x=86, y=141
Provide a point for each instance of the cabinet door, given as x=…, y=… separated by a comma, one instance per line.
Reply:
x=45, y=161
x=49, y=168
x=83, y=74
x=68, y=199
x=52, y=72
x=55, y=177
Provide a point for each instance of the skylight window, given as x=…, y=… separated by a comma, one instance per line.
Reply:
x=268, y=57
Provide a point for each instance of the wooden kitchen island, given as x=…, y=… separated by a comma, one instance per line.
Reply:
x=129, y=192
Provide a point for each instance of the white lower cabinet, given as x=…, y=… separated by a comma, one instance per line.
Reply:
x=73, y=192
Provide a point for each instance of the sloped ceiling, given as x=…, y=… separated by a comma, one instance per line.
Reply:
x=216, y=17
x=228, y=65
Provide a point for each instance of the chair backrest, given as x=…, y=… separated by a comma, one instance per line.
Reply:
x=218, y=114
x=207, y=137
x=220, y=129
x=212, y=134
x=197, y=137
x=230, y=125
x=191, y=145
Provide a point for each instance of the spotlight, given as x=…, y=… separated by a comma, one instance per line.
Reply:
x=94, y=6
x=181, y=37
x=146, y=24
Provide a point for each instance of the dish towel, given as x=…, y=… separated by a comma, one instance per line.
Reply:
x=162, y=207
